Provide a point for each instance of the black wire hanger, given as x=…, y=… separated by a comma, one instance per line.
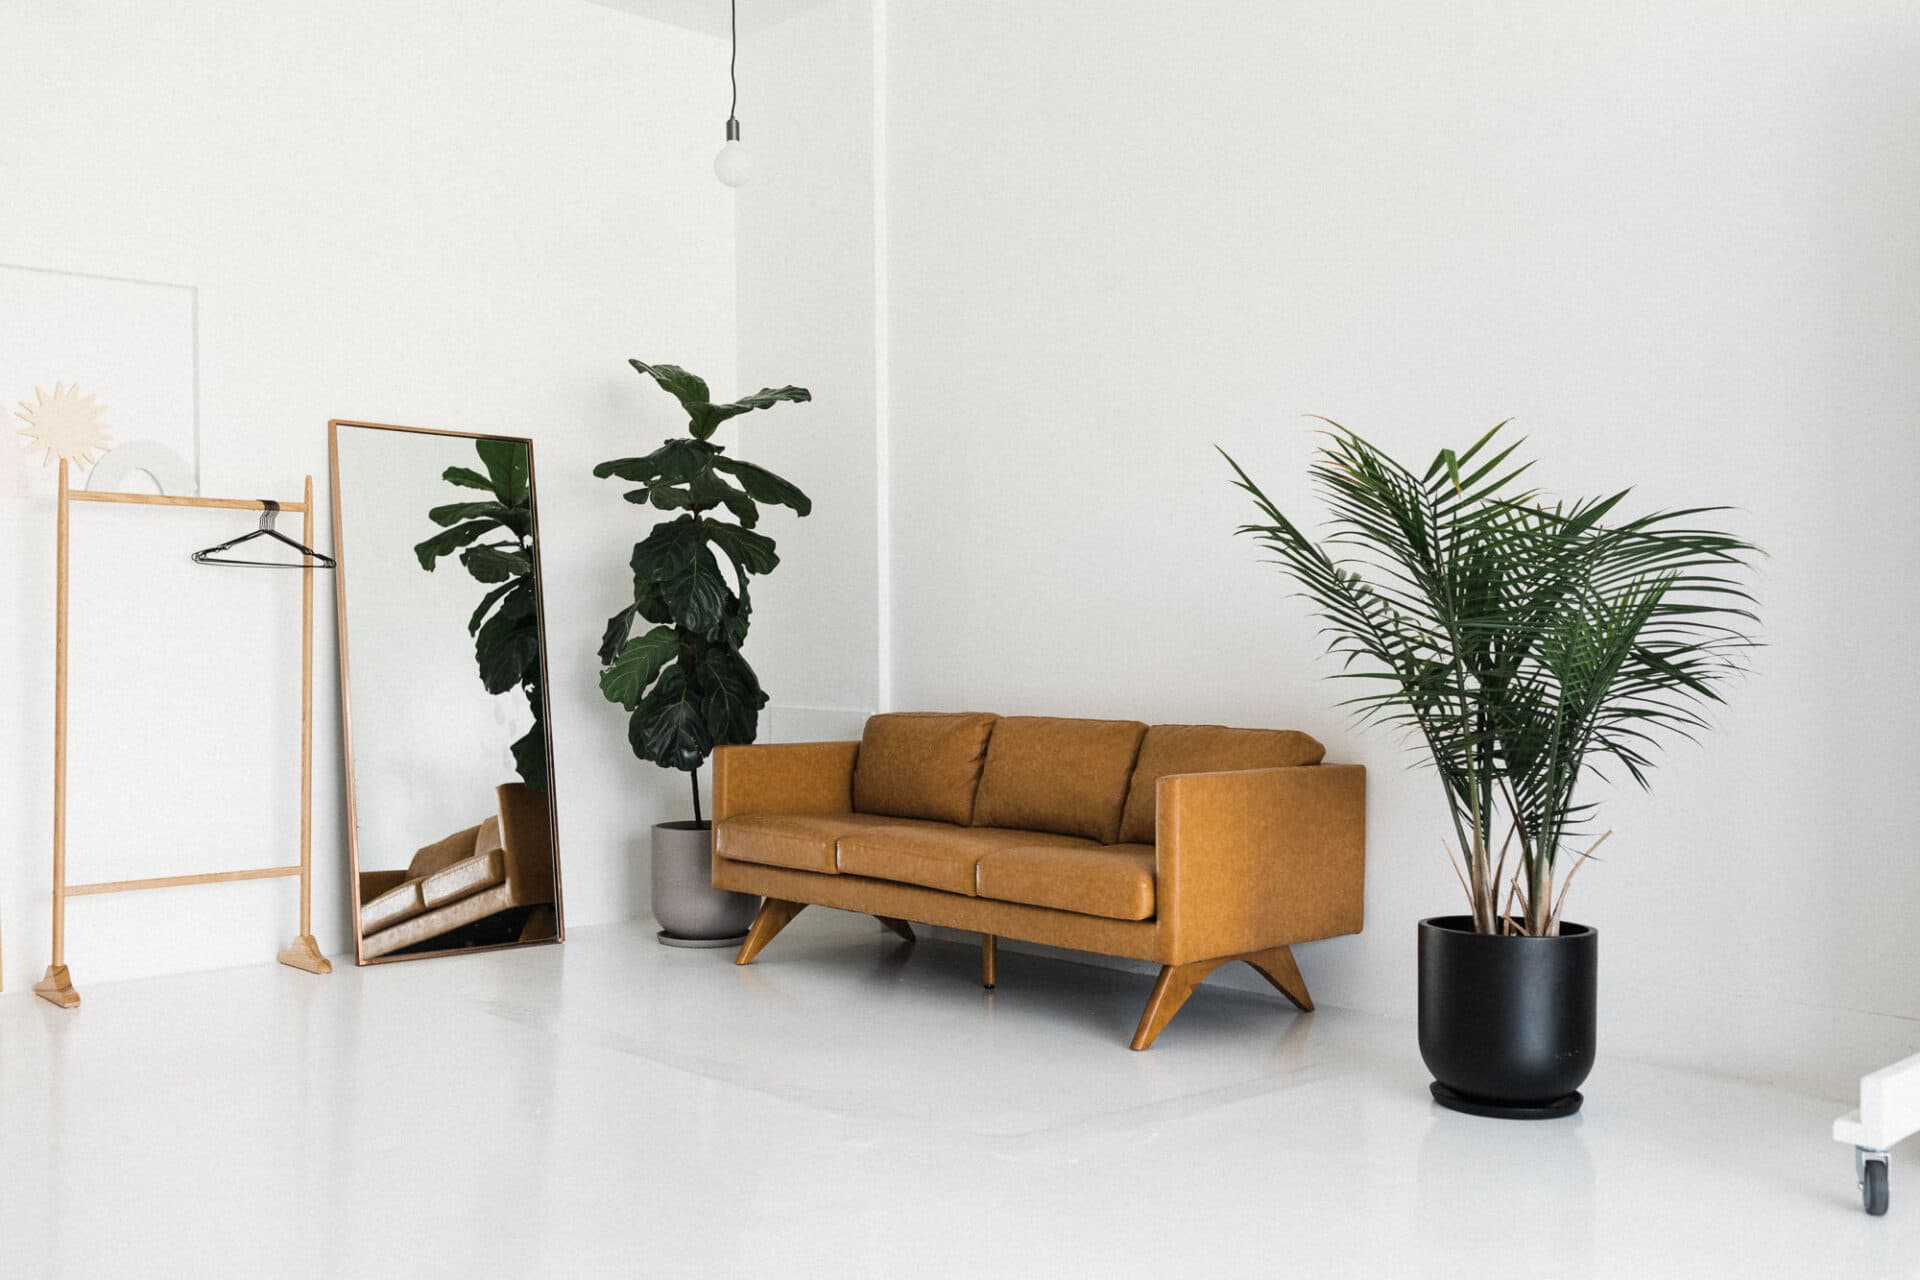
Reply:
x=266, y=530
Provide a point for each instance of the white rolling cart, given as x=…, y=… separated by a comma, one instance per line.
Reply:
x=1889, y=1111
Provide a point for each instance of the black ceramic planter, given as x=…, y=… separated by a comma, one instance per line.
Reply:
x=1507, y=1023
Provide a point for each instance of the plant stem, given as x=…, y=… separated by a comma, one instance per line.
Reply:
x=693, y=776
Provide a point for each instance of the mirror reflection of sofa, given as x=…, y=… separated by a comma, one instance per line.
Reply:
x=502, y=864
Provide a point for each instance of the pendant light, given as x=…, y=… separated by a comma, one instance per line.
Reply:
x=734, y=165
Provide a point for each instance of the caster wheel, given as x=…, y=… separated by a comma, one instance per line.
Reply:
x=1873, y=1187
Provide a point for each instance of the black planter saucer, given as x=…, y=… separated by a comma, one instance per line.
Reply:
x=1454, y=1100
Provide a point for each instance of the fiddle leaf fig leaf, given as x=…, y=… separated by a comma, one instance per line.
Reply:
x=731, y=697
x=639, y=470
x=486, y=603
x=636, y=665
x=675, y=556
x=709, y=491
x=507, y=467
x=530, y=756
x=618, y=627
x=669, y=727
x=765, y=398
x=689, y=389
x=467, y=478
x=495, y=564
x=445, y=544
x=750, y=552
x=764, y=486
x=675, y=461
x=454, y=512
x=508, y=649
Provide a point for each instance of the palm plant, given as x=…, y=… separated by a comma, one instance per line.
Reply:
x=684, y=682
x=1530, y=644
x=506, y=625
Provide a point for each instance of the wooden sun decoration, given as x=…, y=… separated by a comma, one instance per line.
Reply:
x=66, y=425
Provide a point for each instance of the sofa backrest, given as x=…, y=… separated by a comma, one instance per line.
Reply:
x=1066, y=776
x=1204, y=748
x=921, y=764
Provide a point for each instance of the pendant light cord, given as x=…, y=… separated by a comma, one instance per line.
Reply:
x=733, y=56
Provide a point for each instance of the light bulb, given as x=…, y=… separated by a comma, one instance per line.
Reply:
x=734, y=165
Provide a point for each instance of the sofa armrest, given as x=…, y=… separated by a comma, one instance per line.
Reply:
x=1258, y=858
x=375, y=883
x=788, y=777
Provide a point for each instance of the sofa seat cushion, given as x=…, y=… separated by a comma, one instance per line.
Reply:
x=1114, y=881
x=468, y=876
x=803, y=841
x=402, y=902
x=1204, y=748
x=1068, y=777
x=921, y=764
x=933, y=855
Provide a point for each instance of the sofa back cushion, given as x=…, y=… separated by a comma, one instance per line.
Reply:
x=1065, y=776
x=1204, y=748
x=921, y=764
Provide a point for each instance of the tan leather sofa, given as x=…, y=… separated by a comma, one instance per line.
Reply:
x=501, y=863
x=1187, y=845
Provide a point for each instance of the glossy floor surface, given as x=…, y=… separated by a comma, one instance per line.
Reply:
x=850, y=1106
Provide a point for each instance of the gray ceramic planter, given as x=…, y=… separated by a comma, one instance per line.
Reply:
x=691, y=912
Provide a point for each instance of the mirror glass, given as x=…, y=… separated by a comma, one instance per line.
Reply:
x=444, y=690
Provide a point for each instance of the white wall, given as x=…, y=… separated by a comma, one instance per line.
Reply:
x=1675, y=240
x=806, y=309
x=445, y=213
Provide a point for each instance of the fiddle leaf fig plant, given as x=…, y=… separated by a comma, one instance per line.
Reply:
x=505, y=626
x=683, y=681
x=1530, y=644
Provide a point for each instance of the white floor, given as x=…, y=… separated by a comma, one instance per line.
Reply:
x=850, y=1107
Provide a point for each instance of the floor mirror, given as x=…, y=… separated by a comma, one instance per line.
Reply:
x=443, y=688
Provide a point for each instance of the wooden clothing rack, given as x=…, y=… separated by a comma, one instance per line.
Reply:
x=303, y=953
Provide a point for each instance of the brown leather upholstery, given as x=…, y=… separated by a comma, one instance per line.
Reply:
x=504, y=862
x=799, y=777
x=1134, y=939
x=392, y=906
x=1115, y=880
x=444, y=853
x=1259, y=858
x=1066, y=776
x=804, y=841
x=1204, y=748
x=935, y=855
x=1243, y=860
x=921, y=764
x=375, y=883
x=469, y=875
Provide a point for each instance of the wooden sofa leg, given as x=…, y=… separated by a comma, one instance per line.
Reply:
x=775, y=914
x=1277, y=967
x=989, y=960
x=900, y=927
x=1176, y=983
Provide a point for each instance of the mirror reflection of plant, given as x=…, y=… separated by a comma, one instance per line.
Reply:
x=506, y=624
x=1529, y=643
x=685, y=682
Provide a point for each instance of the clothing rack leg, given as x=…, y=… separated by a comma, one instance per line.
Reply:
x=57, y=986
x=304, y=953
